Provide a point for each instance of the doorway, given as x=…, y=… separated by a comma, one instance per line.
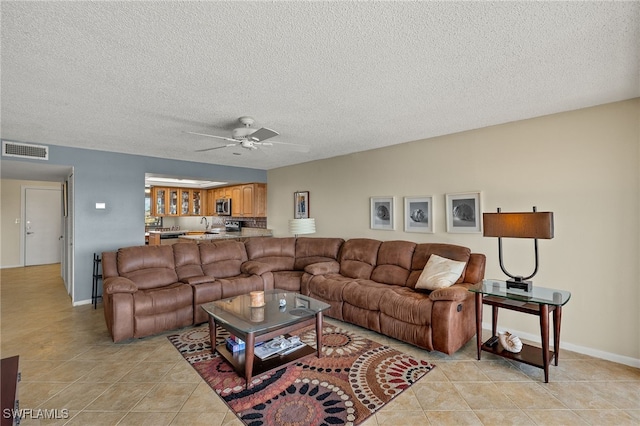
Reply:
x=43, y=238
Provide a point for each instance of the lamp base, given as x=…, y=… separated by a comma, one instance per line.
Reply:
x=520, y=285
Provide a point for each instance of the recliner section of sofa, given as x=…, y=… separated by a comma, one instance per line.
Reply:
x=367, y=282
x=373, y=285
x=142, y=294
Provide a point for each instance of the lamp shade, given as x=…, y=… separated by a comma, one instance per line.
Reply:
x=302, y=226
x=518, y=225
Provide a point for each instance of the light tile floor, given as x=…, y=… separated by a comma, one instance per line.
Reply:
x=69, y=362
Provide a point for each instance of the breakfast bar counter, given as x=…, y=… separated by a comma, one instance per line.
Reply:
x=244, y=233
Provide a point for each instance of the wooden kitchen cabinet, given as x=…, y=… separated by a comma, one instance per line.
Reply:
x=247, y=200
x=260, y=200
x=177, y=201
x=236, y=201
x=159, y=201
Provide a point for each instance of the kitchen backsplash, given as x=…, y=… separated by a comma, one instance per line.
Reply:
x=192, y=223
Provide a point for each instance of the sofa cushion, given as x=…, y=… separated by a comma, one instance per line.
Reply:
x=241, y=284
x=328, y=287
x=407, y=305
x=287, y=280
x=440, y=272
x=393, y=264
x=424, y=250
x=358, y=258
x=222, y=259
x=160, y=300
x=365, y=294
x=279, y=253
x=187, y=259
x=147, y=266
x=315, y=250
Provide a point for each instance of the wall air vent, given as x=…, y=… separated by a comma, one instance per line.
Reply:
x=24, y=150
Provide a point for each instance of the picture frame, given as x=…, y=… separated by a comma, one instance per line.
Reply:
x=418, y=214
x=301, y=205
x=464, y=212
x=382, y=213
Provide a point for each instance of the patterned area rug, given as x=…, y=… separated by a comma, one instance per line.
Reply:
x=354, y=378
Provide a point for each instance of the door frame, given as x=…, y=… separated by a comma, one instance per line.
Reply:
x=67, y=254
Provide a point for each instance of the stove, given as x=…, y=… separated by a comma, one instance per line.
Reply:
x=232, y=226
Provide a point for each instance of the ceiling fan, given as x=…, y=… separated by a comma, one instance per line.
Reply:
x=249, y=138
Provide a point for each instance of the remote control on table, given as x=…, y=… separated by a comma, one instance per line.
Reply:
x=492, y=341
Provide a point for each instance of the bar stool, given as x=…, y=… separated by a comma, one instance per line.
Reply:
x=97, y=277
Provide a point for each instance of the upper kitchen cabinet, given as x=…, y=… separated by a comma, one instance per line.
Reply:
x=177, y=201
x=252, y=200
x=247, y=200
x=192, y=202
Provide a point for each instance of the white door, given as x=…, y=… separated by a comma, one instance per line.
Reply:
x=43, y=226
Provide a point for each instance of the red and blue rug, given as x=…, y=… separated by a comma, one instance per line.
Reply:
x=354, y=379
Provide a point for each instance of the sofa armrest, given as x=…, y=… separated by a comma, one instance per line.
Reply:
x=115, y=285
x=255, y=267
x=321, y=268
x=455, y=293
x=198, y=279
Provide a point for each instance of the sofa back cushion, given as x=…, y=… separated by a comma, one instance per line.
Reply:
x=358, y=258
x=187, y=259
x=279, y=253
x=147, y=266
x=222, y=259
x=315, y=250
x=423, y=251
x=393, y=265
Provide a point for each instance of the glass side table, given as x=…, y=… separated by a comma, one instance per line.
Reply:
x=540, y=301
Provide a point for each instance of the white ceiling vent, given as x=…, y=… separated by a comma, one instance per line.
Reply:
x=23, y=150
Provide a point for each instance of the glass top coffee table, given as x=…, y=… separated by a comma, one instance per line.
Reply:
x=259, y=324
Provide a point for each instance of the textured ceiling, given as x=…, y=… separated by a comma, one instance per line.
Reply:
x=340, y=77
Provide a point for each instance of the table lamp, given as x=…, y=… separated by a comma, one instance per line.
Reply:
x=536, y=225
x=302, y=226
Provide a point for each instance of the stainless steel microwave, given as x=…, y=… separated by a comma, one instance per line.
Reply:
x=223, y=206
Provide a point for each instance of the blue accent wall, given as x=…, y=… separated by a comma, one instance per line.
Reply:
x=118, y=181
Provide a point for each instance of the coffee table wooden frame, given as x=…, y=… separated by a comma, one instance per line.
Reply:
x=239, y=360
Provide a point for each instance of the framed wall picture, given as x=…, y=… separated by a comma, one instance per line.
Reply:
x=382, y=213
x=464, y=212
x=418, y=214
x=301, y=205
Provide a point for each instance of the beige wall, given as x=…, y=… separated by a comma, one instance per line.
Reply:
x=582, y=165
x=10, y=210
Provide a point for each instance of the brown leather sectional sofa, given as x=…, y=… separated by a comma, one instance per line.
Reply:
x=371, y=283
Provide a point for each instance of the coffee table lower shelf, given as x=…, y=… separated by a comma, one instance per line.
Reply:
x=529, y=354
x=261, y=366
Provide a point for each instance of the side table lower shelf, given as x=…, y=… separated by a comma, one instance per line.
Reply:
x=529, y=354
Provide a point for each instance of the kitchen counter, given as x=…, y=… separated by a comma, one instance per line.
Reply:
x=244, y=233
x=163, y=237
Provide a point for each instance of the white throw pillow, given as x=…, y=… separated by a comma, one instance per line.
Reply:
x=439, y=272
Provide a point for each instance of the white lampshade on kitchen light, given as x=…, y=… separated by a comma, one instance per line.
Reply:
x=302, y=226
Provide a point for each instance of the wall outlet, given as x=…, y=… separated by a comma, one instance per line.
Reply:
x=17, y=221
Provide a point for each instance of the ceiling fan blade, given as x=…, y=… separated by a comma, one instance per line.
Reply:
x=263, y=134
x=212, y=136
x=217, y=147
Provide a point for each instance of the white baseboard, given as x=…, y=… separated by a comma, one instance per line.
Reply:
x=620, y=359
x=82, y=302
x=11, y=266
